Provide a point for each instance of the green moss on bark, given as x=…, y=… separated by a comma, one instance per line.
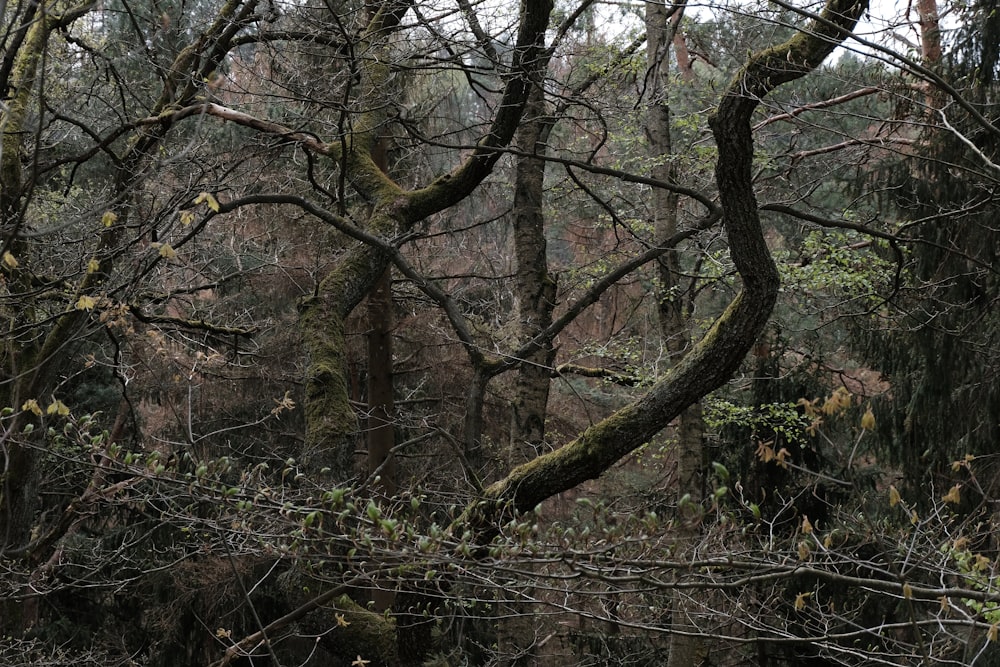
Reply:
x=367, y=635
x=331, y=425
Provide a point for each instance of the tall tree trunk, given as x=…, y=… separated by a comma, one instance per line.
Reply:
x=930, y=32
x=331, y=425
x=535, y=288
x=330, y=421
x=686, y=648
x=380, y=427
x=472, y=427
x=19, y=477
x=535, y=293
x=929, y=23
x=381, y=406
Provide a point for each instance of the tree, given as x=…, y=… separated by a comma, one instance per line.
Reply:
x=948, y=331
x=204, y=156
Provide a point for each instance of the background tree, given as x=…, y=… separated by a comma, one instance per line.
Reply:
x=942, y=195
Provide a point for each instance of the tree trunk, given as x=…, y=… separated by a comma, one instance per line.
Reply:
x=930, y=32
x=331, y=425
x=381, y=406
x=535, y=289
x=930, y=50
x=686, y=648
x=535, y=292
x=19, y=480
x=381, y=422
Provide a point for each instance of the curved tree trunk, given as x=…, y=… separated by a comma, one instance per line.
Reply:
x=330, y=421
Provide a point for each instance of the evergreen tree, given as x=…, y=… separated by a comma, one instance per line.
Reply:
x=942, y=354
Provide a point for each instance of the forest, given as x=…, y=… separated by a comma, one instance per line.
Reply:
x=453, y=333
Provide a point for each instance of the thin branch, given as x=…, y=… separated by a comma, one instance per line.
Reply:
x=824, y=104
x=183, y=323
x=968, y=143
x=305, y=139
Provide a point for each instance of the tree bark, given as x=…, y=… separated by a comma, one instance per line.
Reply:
x=930, y=49
x=686, y=648
x=381, y=403
x=535, y=294
x=930, y=32
x=535, y=289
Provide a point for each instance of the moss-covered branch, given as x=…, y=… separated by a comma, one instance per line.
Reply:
x=613, y=376
x=190, y=324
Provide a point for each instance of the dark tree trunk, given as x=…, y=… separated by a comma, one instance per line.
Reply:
x=535, y=288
